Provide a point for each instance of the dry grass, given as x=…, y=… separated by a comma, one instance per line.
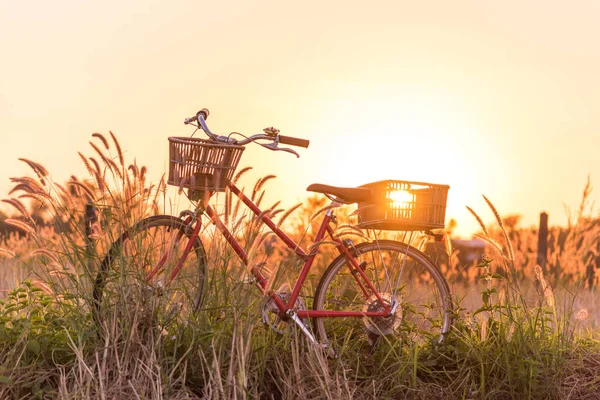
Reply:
x=520, y=333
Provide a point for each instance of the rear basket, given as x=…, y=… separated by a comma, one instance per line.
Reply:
x=403, y=206
x=202, y=165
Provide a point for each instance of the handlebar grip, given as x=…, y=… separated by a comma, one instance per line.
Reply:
x=205, y=113
x=292, y=141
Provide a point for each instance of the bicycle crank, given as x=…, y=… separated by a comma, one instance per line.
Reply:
x=383, y=325
x=270, y=312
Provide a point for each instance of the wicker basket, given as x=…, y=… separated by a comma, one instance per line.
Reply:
x=403, y=206
x=202, y=165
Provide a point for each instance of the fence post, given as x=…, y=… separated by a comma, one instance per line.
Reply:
x=542, y=252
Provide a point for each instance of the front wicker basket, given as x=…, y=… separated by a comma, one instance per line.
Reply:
x=403, y=206
x=202, y=165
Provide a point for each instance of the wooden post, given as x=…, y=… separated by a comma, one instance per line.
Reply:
x=542, y=253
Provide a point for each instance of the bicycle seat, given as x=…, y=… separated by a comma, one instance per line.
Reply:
x=345, y=195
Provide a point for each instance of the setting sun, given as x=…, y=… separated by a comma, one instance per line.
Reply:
x=401, y=199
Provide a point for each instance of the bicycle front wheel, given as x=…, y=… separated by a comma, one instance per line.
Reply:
x=139, y=272
x=401, y=276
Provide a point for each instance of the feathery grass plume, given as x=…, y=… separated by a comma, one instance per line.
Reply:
x=86, y=163
x=345, y=234
x=16, y=203
x=6, y=253
x=26, y=183
x=227, y=212
x=127, y=184
x=484, y=329
x=260, y=198
x=24, y=226
x=257, y=219
x=587, y=190
x=260, y=183
x=39, y=197
x=24, y=179
x=276, y=212
x=351, y=230
x=46, y=253
x=29, y=187
x=287, y=214
x=107, y=161
x=159, y=189
x=481, y=224
x=42, y=285
x=238, y=224
x=84, y=188
x=546, y=289
x=314, y=248
x=39, y=170
x=239, y=174
x=62, y=189
x=102, y=139
x=236, y=207
x=321, y=211
x=66, y=197
x=100, y=182
x=448, y=243
x=119, y=151
x=502, y=297
x=511, y=331
x=21, y=187
x=273, y=209
x=96, y=165
x=490, y=241
x=350, y=227
x=511, y=252
x=134, y=170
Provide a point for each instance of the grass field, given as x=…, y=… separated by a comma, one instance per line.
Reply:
x=518, y=332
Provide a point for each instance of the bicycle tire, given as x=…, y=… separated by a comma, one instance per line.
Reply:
x=121, y=279
x=397, y=271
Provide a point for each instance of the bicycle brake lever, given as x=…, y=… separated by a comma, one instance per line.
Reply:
x=273, y=146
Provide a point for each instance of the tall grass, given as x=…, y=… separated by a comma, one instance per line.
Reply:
x=519, y=341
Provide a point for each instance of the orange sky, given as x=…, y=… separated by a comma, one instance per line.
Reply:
x=498, y=98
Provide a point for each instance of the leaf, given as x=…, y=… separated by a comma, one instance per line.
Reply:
x=6, y=380
x=481, y=309
x=34, y=347
x=485, y=296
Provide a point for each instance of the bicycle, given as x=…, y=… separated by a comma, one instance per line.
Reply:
x=375, y=290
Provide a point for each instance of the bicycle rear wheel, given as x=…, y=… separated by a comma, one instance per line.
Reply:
x=124, y=283
x=399, y=273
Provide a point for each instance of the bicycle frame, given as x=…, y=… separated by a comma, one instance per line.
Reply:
x=286, y=310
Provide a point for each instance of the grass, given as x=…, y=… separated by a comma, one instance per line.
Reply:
x=517, y=334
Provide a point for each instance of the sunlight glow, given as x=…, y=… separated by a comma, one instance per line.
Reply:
x=401, y=199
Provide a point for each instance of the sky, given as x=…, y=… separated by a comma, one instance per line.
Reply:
x=493, y=98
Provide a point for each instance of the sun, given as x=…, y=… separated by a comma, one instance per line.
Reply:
x=419, y=140
x=401, y=199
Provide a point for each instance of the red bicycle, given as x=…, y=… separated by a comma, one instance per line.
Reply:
x=373, y=290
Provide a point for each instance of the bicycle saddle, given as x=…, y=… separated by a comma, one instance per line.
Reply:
x=344, y=195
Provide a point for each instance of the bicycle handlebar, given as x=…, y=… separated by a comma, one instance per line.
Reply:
x=292, y=141
x=203, y=114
